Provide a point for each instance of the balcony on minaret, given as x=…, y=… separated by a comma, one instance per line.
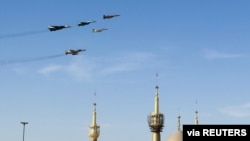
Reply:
x=94, y=132
x=156, y=122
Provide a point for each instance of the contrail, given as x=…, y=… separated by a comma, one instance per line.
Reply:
x=22, y=34
x=6, y=62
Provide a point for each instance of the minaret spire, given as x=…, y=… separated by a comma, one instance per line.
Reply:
x=156, y=100
x=156, y=119
x=196, y=121
x=179, y=122
x=157, y=95
x=94, y=129
x=94, y=116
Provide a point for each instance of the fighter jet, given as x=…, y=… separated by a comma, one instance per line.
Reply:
x=85, y=23
x=99, y=30
x=57, y=27
x=74, y=52
x=110, y=16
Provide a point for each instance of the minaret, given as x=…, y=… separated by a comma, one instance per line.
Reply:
x=156, y=119
x=94, y=129
x=179, y=122
x=196, y=122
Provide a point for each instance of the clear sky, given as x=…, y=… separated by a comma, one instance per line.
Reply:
x=199, y=48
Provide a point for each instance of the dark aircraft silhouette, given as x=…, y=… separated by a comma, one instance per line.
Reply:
x=74, y=52
x=57, y=27
x=85, y=23
x=110, y=16
x=99, y=30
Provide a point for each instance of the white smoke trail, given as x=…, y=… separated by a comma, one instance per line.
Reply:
x=24, y=60
x=22, y=34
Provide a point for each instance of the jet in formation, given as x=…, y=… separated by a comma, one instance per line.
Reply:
x=99, y=30
x=74, y=52
x=85, y=23
x=110, y=16
x=57, y=27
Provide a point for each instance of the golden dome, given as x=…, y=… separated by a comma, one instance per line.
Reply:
x=177, y=135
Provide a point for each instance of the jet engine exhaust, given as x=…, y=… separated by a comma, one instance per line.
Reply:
x=26, y=60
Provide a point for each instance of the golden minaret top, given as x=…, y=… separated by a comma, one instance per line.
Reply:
x=94, y=129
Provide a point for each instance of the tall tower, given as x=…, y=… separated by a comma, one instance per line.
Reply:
x=156, y=119
x=196, y=121
x=94, y=129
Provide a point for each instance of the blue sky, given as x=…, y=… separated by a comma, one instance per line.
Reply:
x=200, y=49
